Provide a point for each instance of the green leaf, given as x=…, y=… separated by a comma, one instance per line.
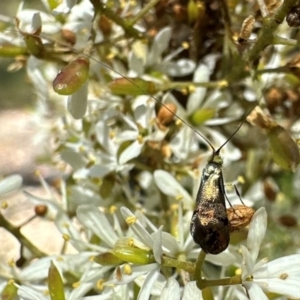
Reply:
x=55, y=284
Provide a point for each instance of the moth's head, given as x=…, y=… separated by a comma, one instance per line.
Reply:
x=216, y=158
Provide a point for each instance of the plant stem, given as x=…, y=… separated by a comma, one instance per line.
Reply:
x=183, y=265
x=199, y=263
x=204, y=283
x=144, y=10
x=16, y=232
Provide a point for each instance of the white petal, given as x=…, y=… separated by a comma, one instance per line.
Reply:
x=136, y=273
x=171, y=290
x=146, y=289
x=38, y=270
x=171, y=187
x=100, y=170
x=77, y=102
x=95, y=220
x=74, y=159
x=289, y=287
x=170, y=244
x=37, y=78
x=225, y=258
x=64, y=7
x=180, y=68
x=195, y=99
x=160, y=44
x=131, y=152
x=10, y=183
x=36, y=22
x=255, y=292
x=247, y=264
x=157, y=249
x=138, y=228
x=140, y=51
x=136, y=64
x=191, y=292
x=257, y=230
x=287, y=264
x=27, y=293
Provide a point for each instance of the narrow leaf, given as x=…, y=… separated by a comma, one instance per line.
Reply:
x=55, y=283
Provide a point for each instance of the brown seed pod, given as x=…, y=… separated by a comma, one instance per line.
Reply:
x=239, y=216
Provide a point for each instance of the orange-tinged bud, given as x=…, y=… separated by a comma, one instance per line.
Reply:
x=166, y=113
x=71, y=78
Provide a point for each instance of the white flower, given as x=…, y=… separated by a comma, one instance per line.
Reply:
x=280, y=276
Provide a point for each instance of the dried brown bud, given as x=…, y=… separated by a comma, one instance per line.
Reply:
x=293, y=17
x=239, y=216
x=274, y=97
x=105, y=25
x=288, y=221
x=40, y=210
x=69, y=36
x=270, y=189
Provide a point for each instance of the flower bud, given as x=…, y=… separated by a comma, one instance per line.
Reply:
x=71, y=78
x=202, y=115
x=166, y=115
x=132, y=87
x=107, y=259
x=134, y=255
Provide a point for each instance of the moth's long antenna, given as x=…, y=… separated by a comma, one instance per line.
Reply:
x=217, y=152
x=135, y=85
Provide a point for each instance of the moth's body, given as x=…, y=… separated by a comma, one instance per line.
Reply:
x=209, y=225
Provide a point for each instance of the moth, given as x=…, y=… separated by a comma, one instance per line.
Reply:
x=210, y=226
